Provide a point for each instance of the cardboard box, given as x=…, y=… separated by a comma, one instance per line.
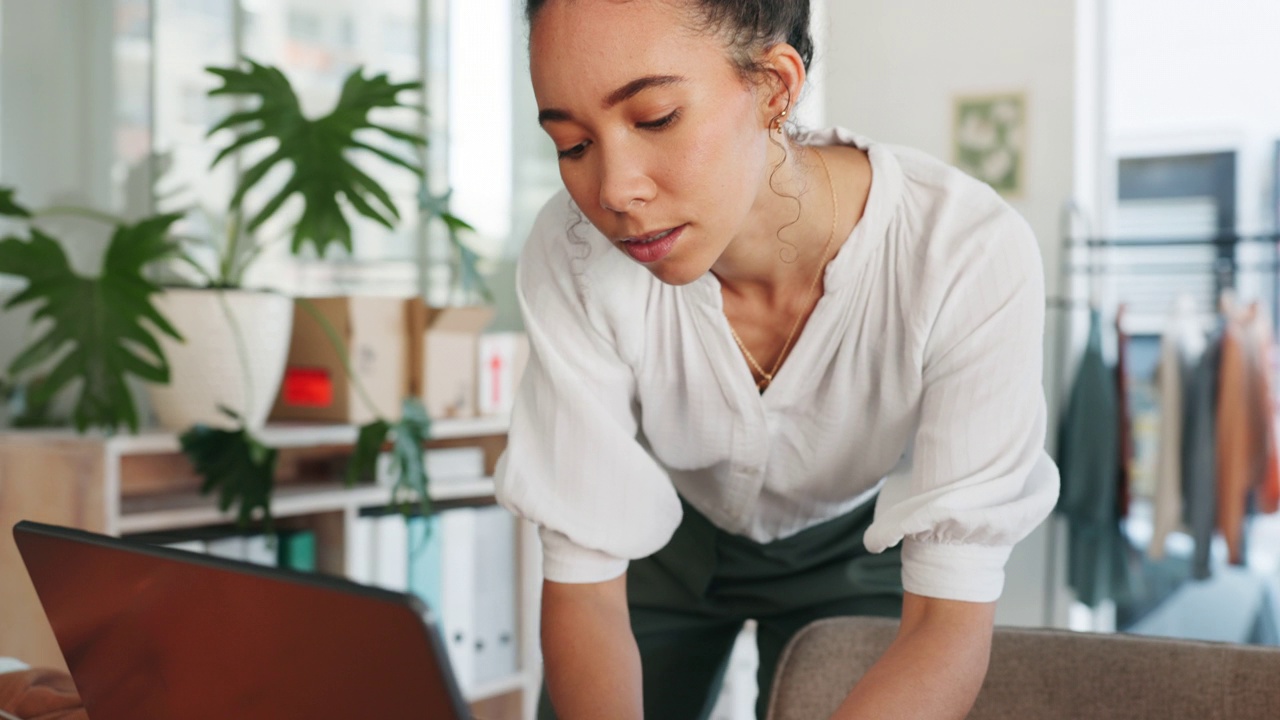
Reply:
x=502, y=358
x=316, y=386
x=443, y=349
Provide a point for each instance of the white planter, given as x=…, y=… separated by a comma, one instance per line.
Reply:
x=209, y=369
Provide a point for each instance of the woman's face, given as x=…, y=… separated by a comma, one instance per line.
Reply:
x=662, y=143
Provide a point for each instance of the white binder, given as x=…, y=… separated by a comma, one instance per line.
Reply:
x=261, y=550
x=231, y=547
x=495, y=620
x=391, y=553
x=457, y=612
x=360, y=550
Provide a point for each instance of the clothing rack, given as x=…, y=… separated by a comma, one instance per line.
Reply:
x=1223, y=265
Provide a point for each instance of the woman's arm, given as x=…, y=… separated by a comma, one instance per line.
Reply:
x=589, y=654
x=933, y=669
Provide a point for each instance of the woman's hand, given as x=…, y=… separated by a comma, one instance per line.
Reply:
x=933, y=669
x=589, y=653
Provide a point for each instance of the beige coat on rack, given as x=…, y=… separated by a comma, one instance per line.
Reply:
x=1181, y=344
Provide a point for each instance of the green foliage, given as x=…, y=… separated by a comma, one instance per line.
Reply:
x=316, y=150
x=237, y=466
x=22, y=412
x=97, y=326
x=364, y=460
x=102, y=330
x=10, y=208
x=407, y=437
x=467, y=262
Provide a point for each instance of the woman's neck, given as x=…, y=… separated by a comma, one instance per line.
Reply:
x=781, y=245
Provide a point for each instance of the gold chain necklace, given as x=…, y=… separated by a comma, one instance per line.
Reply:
x=767, y=377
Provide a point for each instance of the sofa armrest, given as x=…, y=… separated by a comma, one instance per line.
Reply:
x=1044, y=674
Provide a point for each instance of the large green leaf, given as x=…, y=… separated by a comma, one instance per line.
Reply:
x=364, y=460
x=235, y=465
x=316, y=150
x=99, y=328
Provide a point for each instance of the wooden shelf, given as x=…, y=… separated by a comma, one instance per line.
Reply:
x=187, y=510
x=133, y=484
x=280, y=435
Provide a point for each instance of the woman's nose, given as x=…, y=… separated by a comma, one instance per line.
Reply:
x=624, y=183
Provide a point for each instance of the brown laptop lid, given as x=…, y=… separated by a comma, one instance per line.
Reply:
x=159, y=634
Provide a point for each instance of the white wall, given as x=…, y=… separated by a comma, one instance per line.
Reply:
x=56, y=126
x=55, y=118
x=894, y=67
x=1193, y=76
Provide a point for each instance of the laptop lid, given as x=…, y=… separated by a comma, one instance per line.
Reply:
x=153, y=633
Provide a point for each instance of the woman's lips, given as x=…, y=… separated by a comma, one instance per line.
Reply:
x=654, y=247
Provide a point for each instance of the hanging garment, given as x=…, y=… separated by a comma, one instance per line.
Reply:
x=1242, y=435
x=1181, y=346
x=1199, y=454
x=1262, y=344
x=1088, y=453
x=1122, y=416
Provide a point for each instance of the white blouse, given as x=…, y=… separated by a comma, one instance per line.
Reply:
x=918, y=376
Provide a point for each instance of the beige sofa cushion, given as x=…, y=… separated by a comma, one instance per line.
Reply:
x=1039, y=674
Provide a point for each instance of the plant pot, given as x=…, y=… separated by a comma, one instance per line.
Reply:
x=237, y=365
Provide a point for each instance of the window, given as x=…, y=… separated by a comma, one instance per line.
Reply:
x=485, y=143
x=304, y=25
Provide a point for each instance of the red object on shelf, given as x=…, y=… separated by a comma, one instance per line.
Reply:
x=308, y=387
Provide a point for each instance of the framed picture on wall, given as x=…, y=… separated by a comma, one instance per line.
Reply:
x=989, y=139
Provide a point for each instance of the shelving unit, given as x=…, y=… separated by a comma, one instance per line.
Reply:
x=126, y=485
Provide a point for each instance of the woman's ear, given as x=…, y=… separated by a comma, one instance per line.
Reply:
x=783, y=81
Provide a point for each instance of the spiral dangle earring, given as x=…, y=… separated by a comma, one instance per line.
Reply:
x=766, y=377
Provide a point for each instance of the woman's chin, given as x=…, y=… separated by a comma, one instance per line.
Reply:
x=675, y=272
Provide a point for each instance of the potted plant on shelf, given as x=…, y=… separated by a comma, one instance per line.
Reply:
x=316, y=157
x=99, y=330
x=179, y=328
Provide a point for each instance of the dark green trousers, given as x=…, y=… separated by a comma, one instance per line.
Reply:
x=689, y=600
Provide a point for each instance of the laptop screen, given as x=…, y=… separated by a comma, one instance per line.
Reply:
x=153, y=633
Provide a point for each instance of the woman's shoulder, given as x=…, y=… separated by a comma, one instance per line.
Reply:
x=956, y=215
x=928, y=201
x=965, y=243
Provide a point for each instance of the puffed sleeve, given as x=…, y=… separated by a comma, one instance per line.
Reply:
x=573, y=464
x=976, y=478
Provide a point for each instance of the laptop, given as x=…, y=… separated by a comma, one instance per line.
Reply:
x=154, y=633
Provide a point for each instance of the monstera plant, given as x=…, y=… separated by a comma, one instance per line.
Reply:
x=98, y=330
x=105, y=329
x=318, y=154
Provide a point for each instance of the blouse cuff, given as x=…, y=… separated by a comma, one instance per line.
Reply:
x=972, y=573
x=565, y=561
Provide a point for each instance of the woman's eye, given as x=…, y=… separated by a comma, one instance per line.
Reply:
x=661, y=122
x=573, y=152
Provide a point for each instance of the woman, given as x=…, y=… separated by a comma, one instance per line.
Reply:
x=760, y=359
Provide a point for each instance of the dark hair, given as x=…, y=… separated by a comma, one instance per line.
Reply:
x=751, y=26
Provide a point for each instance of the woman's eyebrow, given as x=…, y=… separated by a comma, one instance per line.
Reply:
x=626, y=92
